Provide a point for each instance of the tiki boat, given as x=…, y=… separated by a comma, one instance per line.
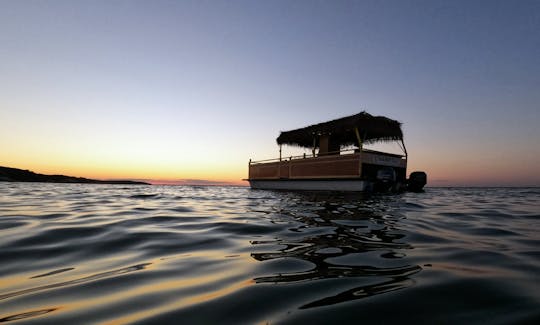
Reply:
x=338, y=161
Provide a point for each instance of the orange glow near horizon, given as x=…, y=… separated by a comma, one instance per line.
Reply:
x=441, y=170
x=225, y=161
x=136, y=163
x=169, y=176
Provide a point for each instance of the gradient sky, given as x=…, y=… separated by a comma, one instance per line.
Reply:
x=173, y=90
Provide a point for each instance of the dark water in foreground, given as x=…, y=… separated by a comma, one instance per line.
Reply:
x=122, y=254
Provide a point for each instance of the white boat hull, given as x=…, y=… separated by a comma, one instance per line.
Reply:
x=348, y=185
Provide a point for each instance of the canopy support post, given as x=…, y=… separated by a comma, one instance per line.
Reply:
x=314, y=142
x=360, y=145
x=406, y=156
x=404, y=148
x=358, y=138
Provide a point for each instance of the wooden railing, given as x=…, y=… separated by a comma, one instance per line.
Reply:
x=304, y=156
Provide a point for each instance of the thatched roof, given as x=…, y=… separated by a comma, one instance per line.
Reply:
x=371, y=129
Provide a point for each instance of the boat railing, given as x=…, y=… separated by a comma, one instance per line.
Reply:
x=326, y=154
x=305, y=156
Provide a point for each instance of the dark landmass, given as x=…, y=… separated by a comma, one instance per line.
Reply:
x=19, y=175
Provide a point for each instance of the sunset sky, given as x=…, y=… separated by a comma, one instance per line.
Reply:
x=191, y=90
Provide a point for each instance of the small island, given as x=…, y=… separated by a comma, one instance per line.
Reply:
x=8, y=174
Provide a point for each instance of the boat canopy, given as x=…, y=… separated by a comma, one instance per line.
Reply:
x=362, y=127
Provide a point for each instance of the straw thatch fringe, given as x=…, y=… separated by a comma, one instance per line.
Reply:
x=371, y=129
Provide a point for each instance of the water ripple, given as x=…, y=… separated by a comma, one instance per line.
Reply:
x=87, y=253
x=76, y=281
x=27, y=314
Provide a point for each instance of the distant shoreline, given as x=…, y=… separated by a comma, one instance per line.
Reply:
x=8, y=174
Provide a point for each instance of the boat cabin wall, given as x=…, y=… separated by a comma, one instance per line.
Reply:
x=331, y=166
x=327, y=146
x=358, y=165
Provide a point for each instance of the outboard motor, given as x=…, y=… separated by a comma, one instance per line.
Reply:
x=385, y=179
x=417, y=180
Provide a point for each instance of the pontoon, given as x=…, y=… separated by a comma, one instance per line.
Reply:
x=338, y=161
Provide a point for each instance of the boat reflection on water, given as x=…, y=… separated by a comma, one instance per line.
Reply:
x=343, y=236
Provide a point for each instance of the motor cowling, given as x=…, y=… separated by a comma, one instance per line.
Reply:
x=417, y=181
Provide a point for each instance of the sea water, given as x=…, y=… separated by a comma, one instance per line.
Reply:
x=73, y=253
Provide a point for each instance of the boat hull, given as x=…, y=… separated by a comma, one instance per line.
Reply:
x=347, y=185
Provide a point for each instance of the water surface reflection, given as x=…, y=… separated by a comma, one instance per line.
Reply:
x=342, y=236
x=206, y=255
